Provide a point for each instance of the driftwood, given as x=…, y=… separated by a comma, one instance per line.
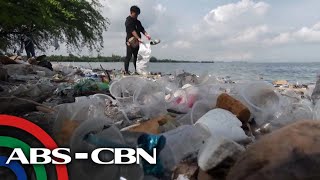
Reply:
x=45, y=109
x=108, y=75
x=6, y=60
x=15, y=104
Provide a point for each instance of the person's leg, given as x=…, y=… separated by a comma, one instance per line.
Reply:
x=32, y=51
x=127, y=60
x=27, y=48
x=135, y=57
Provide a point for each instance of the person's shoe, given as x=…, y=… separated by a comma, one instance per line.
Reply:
x=126, y=73
x=136, y=73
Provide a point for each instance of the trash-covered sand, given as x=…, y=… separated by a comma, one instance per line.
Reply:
x=203, y=127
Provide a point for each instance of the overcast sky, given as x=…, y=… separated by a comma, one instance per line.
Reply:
x=226, y=30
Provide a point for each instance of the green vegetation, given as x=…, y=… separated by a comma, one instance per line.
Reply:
x=77, y=23
x=113, y=58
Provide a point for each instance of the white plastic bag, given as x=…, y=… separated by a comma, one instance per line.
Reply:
x=144, y=56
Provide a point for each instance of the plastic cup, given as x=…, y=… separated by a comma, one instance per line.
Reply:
x=262, y=100
x=150, y=97
x=181, y=101
x=260, y=96
x=199, y=109
x=294, y=112
x=181, y=142
x=100, y=134
x=125, y=87
x=70, y=112
x=168, y=85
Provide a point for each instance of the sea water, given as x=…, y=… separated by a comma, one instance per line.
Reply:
x=238, y=71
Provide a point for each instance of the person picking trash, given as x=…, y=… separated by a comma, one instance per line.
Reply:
x=28, y=43
x=134, y=29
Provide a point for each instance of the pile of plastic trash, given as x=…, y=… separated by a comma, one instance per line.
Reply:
x=200, y=125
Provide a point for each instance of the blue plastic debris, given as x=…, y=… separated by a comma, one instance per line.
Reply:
x=148, y=143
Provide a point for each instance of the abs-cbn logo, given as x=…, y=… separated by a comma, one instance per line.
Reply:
x=21, y=156
x=62, y=156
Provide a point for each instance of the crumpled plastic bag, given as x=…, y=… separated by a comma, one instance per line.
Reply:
x=84, y=86
x=144, y=56
x=41, y=88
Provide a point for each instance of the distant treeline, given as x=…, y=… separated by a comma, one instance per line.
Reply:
x=113, y=58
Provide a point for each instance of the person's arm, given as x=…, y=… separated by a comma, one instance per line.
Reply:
x=35, y=43
x=147, y=35
x=143, y=30
x=135, y=34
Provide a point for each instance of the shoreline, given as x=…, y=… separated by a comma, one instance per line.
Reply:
x=205, y=69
